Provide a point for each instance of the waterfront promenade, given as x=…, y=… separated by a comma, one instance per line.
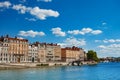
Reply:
x=30, y=65
x=39, y=65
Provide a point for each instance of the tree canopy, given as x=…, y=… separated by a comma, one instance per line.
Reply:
x=92, y=55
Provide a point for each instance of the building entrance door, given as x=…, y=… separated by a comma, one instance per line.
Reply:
x=33, y=59
x=18, y=60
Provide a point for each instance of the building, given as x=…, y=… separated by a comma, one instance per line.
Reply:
x=48, y=52
x=33, y=53
x=4, y=56
x=70, y=54
x=41, y=51
x=16, y=49
x=53, y=52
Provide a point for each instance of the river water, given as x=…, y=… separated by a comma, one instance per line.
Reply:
x=101, y=71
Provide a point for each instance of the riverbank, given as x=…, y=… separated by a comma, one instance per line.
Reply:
x=38, y=65
x=30, y=65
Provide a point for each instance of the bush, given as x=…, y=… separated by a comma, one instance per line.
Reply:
x=42, y=65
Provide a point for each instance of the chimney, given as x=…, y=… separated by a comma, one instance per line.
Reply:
x=7, y=36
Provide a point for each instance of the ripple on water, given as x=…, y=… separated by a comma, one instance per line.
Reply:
x=103, y=71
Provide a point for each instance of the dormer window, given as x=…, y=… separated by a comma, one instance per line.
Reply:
x=5, y=40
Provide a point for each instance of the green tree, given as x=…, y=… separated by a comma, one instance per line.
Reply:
x=92, y=55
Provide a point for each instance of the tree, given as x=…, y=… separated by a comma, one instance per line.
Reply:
x=92, y=55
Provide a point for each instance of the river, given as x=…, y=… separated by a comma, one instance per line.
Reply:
x=101, y=71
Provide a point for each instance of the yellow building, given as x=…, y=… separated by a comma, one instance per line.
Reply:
x=41, y=51
x=53, y=52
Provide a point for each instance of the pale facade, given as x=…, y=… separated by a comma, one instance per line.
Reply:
x=33, y=53
x=4, y=56
x=53, y=52
x=41, y=52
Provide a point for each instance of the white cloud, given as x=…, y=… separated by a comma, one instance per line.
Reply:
x=5, y=4
x=95, y=32
x=20, y=38
x=22, y=1
x=75, y=32
x=41, y=14
x=31, y=33
x=37, y=12
x=30, y=19
x=102, y=46
x=58, y=32
x=85, y=31
x=110, y=46
x=45, y=0
x=109, y=50
x=22, y=9
x=104, y=23
x=69, y=42
x=97, y=40
x=109, y=40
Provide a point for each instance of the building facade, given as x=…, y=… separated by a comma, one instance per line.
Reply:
x=53, y=52
x=70, y=54
x=17, y=49
x=4, y=56
x=33, y=53
x=41, y=51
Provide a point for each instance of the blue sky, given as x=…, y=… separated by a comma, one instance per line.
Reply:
x=89, y=24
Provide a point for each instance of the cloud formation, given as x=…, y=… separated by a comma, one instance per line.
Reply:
x=41, y=14
x=23, y=1
x=85, y=31
x=109, y=41
x=58, y=32
x=22, y=9
x=69, y=42
x=109, y=50
x=37, y=12
x=30, y=19
x=5, y=4
x=31, y=33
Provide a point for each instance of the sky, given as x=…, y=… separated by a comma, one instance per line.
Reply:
x=88, y=24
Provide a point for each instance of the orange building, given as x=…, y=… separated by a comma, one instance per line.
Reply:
x=17, y=48
x=69, y=54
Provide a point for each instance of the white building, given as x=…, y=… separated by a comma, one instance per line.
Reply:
x=33, y=53
x=4, y=56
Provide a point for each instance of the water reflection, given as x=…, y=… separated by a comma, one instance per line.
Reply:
x=107, y=71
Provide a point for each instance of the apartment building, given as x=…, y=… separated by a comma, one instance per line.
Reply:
x=70, y=54
x=17, y=49
x=53, y=52
x=41, y=51
x=32, y=53
x=4, y=56
x=48, y=52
